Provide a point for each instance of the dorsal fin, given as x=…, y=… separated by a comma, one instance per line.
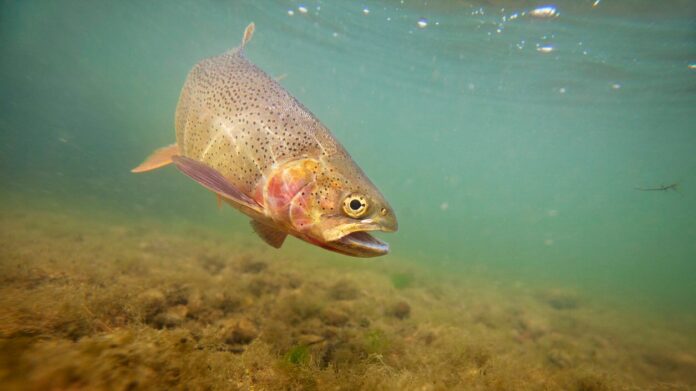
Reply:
x=248, y=33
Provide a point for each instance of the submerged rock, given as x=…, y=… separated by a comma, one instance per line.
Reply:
x=173, y=317
x=530, y=327
x=239, y=332
x=559, y=358
x=260, y=286
x=252, y=266
x=343, y=290
x=152, y=302
x=560, y=300
x=400, y=310
x=310, y=339
x=334, y=317
x=212, y=263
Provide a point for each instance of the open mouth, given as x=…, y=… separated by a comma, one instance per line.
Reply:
x=360, y=244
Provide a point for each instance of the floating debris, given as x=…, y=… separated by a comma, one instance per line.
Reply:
x=545, y=49
x=366, y=11
x=302, y=9
x=422, y=23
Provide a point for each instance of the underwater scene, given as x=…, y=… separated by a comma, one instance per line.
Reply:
x=443, y=195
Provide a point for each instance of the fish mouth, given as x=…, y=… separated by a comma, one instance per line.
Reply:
x=359, y=244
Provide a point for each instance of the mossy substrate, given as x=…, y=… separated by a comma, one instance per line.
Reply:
x=92, y=304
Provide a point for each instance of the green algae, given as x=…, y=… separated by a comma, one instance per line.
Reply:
x=90, y=305
x=298, y=355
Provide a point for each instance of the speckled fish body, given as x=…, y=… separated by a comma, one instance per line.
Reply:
x=290, y=174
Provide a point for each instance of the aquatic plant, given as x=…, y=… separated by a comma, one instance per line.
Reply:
x=298, y=355
x=376, y=341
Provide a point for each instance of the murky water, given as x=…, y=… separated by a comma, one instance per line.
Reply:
x=511, y=137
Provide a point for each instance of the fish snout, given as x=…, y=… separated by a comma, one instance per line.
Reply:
x=387, y=222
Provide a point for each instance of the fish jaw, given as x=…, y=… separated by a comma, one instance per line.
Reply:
x=359, y=244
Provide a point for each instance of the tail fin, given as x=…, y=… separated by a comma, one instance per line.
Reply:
x=248, y=33
x=159, y=158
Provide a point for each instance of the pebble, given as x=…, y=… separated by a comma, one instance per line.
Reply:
x=400, y=310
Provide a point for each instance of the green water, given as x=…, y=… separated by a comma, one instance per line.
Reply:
x=506, y=144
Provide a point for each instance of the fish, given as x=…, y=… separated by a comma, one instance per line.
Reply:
x=243, y=136
x=673, y=186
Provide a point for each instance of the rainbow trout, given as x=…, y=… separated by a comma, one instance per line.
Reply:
x=241, y=135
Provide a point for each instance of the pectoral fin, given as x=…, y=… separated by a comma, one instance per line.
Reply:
x=213, y=180
x=270, y=235
x=159, y=158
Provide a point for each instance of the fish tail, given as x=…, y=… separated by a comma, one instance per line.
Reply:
x=248, y=33
x=160, y=158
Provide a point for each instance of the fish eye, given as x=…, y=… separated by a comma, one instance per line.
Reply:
x=355, y=205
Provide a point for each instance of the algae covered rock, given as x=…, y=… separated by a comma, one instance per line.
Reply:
x=172, y=317
x=559, y=299
x=239, y=332
x=151, y=302
x=343, y=290
x=333, y=317
x=399, y=310
x=252, y=266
